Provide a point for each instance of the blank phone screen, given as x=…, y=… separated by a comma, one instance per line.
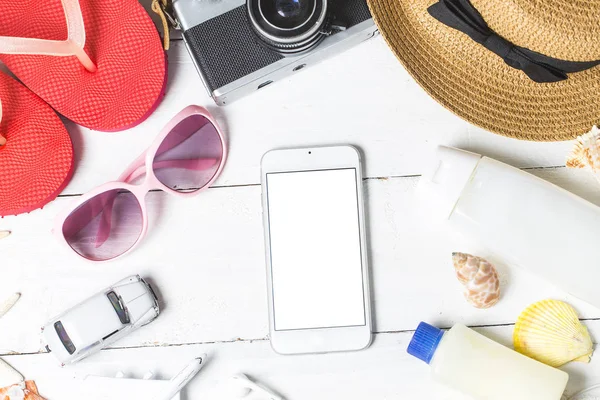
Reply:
x=316, y=255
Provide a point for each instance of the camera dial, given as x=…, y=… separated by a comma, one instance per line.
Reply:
x=289, y=26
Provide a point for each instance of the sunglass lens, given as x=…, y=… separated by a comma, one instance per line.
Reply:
x=190, y=155
x=105, y=226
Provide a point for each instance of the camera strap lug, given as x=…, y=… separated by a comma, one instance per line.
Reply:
x=164, y=9
x=333, y=27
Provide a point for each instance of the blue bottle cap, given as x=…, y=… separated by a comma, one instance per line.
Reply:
x=425, y=341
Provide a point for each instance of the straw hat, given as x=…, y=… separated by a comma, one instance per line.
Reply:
x=439, y=44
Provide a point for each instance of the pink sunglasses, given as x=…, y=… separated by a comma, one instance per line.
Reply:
x=187, y=156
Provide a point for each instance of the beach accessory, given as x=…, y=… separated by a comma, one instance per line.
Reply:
x=99, y=63
x=523, y=69
x=36, y=160
x=480, y=368
x=25, y=390
x=549, y=331
x=520, y=218
x=587, y=152
x=187, y=156
x=479, y=278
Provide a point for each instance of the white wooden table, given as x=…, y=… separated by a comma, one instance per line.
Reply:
x=205, y=254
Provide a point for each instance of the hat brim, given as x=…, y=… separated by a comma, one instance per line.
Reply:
x=478, y=86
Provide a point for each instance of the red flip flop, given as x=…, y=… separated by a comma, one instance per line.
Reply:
x=99, y=63
x=36, y=154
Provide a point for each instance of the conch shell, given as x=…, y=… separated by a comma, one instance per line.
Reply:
x=587, y=152
x=480, y=280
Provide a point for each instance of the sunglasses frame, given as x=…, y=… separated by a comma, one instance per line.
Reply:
x=144, y=161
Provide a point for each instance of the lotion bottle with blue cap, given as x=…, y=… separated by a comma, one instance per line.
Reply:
x=477, y=366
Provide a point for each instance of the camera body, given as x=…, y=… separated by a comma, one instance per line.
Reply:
x=233, y=61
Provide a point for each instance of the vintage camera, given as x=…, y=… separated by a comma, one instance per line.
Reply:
x=240, y=46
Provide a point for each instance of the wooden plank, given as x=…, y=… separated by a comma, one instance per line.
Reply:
x=363, y=97
x=205, y=256
x=384, y=371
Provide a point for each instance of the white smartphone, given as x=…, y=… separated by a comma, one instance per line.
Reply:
x=318, y=279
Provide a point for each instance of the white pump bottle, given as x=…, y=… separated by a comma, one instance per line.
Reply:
x=521, y=218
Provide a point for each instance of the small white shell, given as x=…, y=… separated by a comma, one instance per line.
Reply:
x=9, y=303
x=8, y=375
x=587, y=152
x=4, y=234
x=17, y=392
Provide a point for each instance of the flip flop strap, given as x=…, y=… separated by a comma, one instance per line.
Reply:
x=73, y=46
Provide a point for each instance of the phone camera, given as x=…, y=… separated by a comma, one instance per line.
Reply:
x=310, y=152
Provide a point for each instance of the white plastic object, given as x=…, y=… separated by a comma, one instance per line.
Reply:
x=183, y=377
x=101, y=320
x=242, y=387
x=9, y=303
x=8, y=375
x=522, y=219
x=73, y=46
x=483, y=369
x=447, y=176
x=590, y=393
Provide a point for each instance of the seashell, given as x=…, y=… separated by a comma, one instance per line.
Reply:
x=8, y=375
x=23, y=391
x=9, y=303
x=587, y=152
x=480, y=280
x=549, y=331
x=4, y=234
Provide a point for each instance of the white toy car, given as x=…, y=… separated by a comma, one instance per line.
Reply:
x=101, y=320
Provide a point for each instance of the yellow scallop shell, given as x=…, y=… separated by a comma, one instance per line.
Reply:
x=549, y=331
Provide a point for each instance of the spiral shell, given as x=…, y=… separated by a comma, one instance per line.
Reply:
x=587, y=152
x=480, y=280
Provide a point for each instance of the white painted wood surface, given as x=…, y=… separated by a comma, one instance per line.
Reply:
x=205, y=255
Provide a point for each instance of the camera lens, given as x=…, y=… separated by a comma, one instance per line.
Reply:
x=288, y=26
x=287, y=14
x=290, y=8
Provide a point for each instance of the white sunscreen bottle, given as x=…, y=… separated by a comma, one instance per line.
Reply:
x=523, y=219
x=477, y=366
